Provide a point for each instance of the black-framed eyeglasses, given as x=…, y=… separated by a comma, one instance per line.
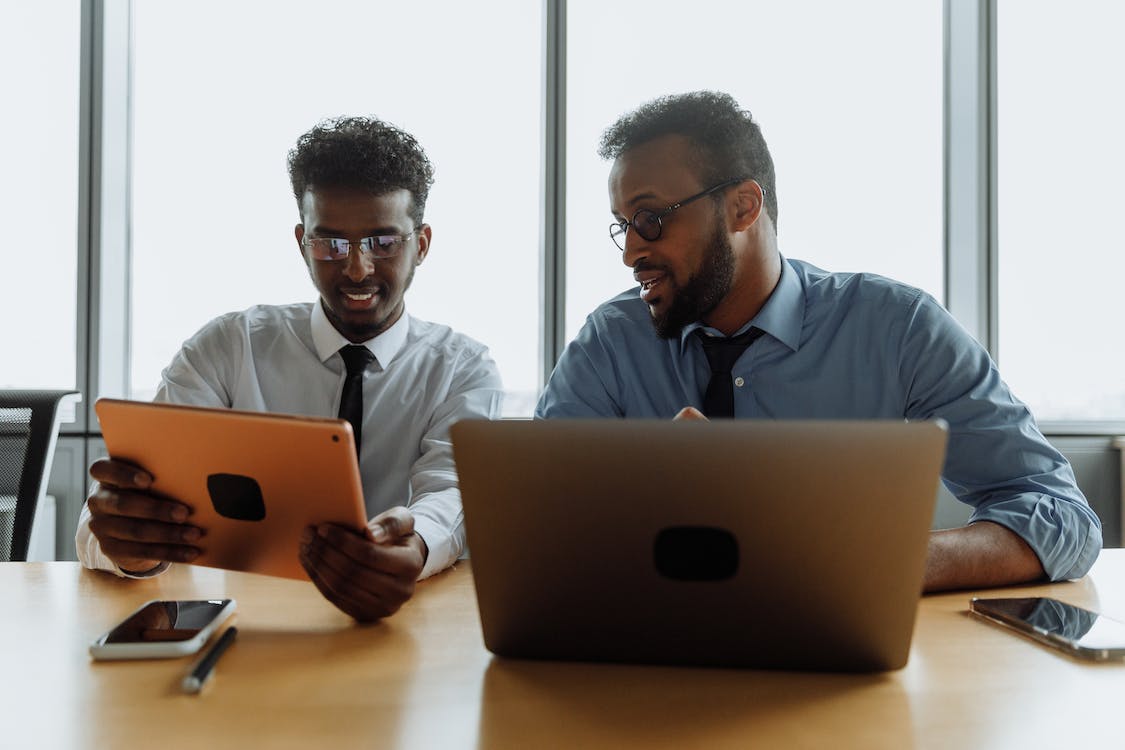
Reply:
x=337, y=248
x=649, y=224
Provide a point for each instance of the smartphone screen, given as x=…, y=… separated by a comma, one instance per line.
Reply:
x=166, y=621
x=1057, y=623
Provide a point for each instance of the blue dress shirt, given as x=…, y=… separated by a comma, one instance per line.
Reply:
x=848, y=346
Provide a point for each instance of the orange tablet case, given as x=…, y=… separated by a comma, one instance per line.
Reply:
x=255, y=480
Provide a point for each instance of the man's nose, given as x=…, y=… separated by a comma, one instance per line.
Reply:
x=636, y=248
x=359, y=264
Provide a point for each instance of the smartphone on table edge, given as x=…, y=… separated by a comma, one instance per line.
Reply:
x=1078, y=632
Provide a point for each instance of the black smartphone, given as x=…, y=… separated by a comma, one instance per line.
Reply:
x=162, y=629
x=1077, y=631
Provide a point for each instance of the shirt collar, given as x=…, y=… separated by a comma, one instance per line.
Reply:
x=328, y=340
x=783, y=315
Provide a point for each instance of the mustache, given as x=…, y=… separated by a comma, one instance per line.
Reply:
x=643, y=265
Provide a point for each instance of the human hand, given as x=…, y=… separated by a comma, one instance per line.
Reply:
x=369, y=575
x=689, y=413
x=136, y=529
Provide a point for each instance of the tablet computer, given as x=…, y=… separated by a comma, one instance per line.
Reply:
x=255, y=480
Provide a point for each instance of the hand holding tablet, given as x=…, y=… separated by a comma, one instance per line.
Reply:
x=240, y=487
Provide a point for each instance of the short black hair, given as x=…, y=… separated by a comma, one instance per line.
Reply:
x=363, y=153
x=728, y=141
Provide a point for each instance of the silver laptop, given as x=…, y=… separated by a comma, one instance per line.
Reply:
x=743, y=543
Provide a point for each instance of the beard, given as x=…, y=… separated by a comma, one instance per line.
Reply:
x=703, y=291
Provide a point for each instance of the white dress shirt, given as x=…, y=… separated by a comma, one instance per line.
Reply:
x=286, y=359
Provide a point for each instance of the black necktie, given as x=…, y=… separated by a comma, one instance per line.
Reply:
x=722, y=353
x=356, y=359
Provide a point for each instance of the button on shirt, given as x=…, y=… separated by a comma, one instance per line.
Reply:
x=286, y=359
x=848, y=346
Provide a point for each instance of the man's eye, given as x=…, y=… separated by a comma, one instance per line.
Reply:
x=386, y=240
x=337, y=246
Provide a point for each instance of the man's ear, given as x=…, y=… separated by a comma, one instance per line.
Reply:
x=299, y=233
x=747, y=206
x=425, y=235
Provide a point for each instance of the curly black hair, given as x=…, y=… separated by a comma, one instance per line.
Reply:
x=363, y=153
x=727, y=140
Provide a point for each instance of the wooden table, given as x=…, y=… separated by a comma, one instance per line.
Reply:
x=302, y=675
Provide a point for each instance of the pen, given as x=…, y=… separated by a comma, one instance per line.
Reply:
x=201, y=670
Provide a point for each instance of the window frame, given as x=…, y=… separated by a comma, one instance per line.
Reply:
x=969, y=212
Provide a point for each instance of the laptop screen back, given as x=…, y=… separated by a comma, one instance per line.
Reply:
x=792, y=545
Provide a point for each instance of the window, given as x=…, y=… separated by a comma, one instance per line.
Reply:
x=853, y=120
x=221, y=94
x=39, y=85
x=1060, y=159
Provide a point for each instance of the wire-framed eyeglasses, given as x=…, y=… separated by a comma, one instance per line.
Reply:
x=337, y=248
x=649, y=224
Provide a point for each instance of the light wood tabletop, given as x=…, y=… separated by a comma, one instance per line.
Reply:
x=303, y=675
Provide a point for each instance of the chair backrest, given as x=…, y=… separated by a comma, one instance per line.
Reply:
x=29, y=428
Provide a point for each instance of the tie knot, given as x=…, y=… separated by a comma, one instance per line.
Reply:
x=356, y=358
x=723, y=351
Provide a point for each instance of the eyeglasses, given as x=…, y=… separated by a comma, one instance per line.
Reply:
x=337, y=248
x=649, y=224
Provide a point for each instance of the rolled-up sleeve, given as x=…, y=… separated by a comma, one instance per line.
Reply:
x=997, y=459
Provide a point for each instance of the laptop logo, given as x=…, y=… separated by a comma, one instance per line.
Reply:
x=236, y=496
x=695, y=553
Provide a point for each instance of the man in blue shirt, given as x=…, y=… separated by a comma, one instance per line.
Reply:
x=695, y=216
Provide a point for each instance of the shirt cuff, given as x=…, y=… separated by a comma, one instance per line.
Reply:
x=438, y=542
x=1065, y=540
x=155, y=571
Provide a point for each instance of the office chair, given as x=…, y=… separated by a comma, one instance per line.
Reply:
x=29, y=429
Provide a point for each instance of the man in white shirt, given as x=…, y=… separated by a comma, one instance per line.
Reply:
x=361, y=188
